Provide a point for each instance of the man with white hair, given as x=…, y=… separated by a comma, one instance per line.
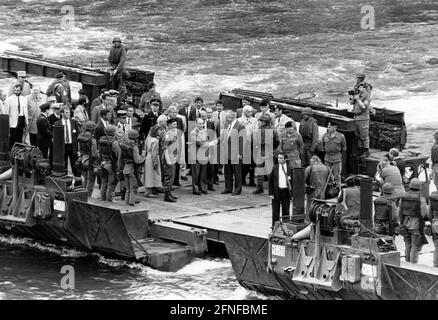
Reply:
x=250, y=123
x=232, y=145
x=21, y=79
x=34, y=101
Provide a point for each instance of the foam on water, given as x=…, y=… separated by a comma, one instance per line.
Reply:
x=199, y=266
x=43, y=247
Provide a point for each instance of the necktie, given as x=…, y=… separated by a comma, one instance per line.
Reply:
x=19, y=105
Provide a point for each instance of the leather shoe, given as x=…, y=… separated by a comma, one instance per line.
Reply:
x=197, y=193
x=225, y=192
x=184, y=178
x=177, y=184
x=211, y=188
x=203, y=191
x=236, y=193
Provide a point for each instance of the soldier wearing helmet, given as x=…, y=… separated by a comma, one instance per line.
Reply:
x=88, y=155
x=116, y=60
x=109, y=150
x=385, y=212
x=412, y=212
x=361, y=80
x=309, y=131
x=129, y=157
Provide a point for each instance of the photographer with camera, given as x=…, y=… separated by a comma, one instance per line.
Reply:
x=361, y=101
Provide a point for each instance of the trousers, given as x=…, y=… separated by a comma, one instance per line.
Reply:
x=284, y=202
x=363, y=133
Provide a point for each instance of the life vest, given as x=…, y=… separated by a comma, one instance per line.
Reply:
x=115, y=54
x=382, y=209
x=410, y=205
x=352, y=200
x=105, y=149
x=85, y=142
x=306, y=129
x=127, y=151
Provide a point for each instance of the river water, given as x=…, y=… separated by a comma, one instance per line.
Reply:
x=200, y=47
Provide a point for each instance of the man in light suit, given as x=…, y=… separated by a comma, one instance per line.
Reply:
x=199, y=146
x=95, y=115
x=34, y=101
x=17, y=108
x=280, y=182
x=232, y=144
x=281, y=120
x=250, y=124
x=71, y=132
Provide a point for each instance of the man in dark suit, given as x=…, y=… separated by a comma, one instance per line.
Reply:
x=105, y=116
x=232, y=145
x=54, y=117
x=71, y=132
x=280, y=181
x=44, y=130
x=150, y=119
x=213, y=131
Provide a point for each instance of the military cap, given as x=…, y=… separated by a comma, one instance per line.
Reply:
x=121, y=113
x=265, y=118
x=352, y=178
x=388, y=188
x=117, y=39
x=21, y=74
x=360, y=75
x=110, y=130
x=90, y=125
x=171, y=120
x=155, y=100
x=308, y=111
x=415, y=184
x=45, y=106
x=333, y=124
x=133, y=134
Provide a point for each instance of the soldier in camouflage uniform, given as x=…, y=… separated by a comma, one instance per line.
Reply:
x=109, y=151
x=168, y=156
x=88, y=155
x=129, y=157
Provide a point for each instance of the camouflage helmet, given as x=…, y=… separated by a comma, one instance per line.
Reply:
x=133, y=134
x=90, y=125
x=415, y=184
x=307, y=111
x=117, y=39
x=388, y=188
x=265, y=118
x=110, y=130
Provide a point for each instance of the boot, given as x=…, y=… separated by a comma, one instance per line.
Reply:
x=167, y=197
x=258, y=190
x=173, y=196
x=123, y=193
